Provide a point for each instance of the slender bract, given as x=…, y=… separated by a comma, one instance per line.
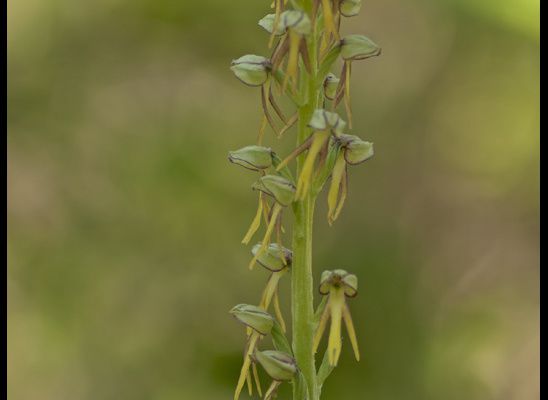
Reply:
x=304, y=44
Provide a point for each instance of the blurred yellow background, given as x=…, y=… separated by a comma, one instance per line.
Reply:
x=124, y=216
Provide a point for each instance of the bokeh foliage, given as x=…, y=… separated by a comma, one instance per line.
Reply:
x=125, y=217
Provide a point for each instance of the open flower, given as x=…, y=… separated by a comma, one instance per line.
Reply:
x=297, y=25
x=276, y=259
x=338, y=285
x=329, y=20
x=353, y=48
x=256, y=70
x=279, y=366
x=353, y=151
x=260, y=322
x=283, y=192
x=279, y=188
x=323, y=123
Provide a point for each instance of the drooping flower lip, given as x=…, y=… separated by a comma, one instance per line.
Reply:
x=339, y=278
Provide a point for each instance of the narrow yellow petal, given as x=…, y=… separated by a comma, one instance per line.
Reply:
x=249, y=384
x=324, y=45
x=255, y=224
x=278, y=310
x=351, y=332
x=272, y=390
x=257, y=380
x=260, y=136
x=336, y=304
x=278, y=12
x=347, y=95
x=292, y=59
x=245, y=366
x=308, y=167
x=266, y=210
x=343, y=192
x=281, y=252
x=268, y=234
x=333, y=193
x=296, y=152
x=328, y=18
x=289, y=124
x=321, y=328
x=270, y=289
x=263, y=295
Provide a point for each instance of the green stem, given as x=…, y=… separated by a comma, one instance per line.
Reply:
x=302, y=293
x=302, y=299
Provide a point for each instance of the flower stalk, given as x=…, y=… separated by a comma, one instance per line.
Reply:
x=305, y=41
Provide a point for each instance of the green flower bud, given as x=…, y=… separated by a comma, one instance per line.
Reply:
x=358, y=47
x=330, y=85
x=350, y=8
x=323, y=120
x=297, y=21
x=267, y=23
x=254, y=158
x=280, y=188
x=339, y=278
x=356, y=150
x=254, y=317
x=274, y=258
x=251, y=69
x=278, y=365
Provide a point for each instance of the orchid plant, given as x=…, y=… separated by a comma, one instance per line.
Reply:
x=305, y=45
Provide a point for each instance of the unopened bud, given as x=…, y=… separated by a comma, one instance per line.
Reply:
x=358, y=47
x=323, y=120
x=280, y=188
x=267, y=23
x=350, y=8
x=251, y=69
x=274, y=258
x=297, y=21
x=278, y=365
x=330, y=85
x=254, y=158
x=254, y=317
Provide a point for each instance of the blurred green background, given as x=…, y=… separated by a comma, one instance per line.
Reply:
x=124, y=216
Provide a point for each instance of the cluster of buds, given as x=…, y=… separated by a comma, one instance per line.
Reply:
x=305, y=44
x=278, y=364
